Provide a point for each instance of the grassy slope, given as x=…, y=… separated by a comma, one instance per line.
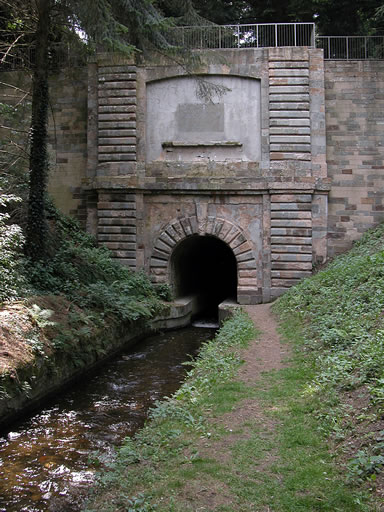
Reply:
x=337, y=316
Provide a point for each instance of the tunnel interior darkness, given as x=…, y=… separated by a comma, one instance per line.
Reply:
x=205, y=266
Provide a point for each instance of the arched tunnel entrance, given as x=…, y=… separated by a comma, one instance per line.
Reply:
x=206, y=267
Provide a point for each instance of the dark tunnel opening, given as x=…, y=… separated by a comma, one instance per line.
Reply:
x=206, y=267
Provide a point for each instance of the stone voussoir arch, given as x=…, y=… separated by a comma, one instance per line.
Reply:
x=181, y=228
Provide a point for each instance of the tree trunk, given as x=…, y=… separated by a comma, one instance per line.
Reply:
x=36, y=236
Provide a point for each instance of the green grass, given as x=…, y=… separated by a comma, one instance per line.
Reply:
x=338, y=317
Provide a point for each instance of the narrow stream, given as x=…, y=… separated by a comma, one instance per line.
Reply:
x=46, y=460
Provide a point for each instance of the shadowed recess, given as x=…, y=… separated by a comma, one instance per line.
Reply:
x=204, y=266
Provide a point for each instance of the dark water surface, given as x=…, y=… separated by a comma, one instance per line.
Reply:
x=45, y=460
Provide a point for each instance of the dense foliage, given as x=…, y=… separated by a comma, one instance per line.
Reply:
x=12, y=279
x=332, y=18
x=77, y=269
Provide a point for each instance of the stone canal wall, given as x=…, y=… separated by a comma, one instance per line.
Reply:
x=46, y=373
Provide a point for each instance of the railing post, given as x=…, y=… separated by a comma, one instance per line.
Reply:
x=347, y=44
x=329, y=47
x=365, y=47
x=238, y=36
x=313, y=35
x=294, y=33
x=276, y=35
x=257, y=36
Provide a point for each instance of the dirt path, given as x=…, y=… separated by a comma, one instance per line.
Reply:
x=264, y=354
x=268, y=352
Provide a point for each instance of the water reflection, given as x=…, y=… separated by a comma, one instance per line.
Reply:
x=44, y=460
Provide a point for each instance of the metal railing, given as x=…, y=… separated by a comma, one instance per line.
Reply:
x=243, y=36
x=351, y=47
x=224, y=36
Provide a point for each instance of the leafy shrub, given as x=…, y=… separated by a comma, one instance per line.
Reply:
x=12, y=282
x=89, y=277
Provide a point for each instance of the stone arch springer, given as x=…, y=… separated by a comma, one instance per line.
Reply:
x=181, y=228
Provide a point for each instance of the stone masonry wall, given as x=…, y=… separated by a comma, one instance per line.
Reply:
x=68, y=141
x=67, y=132
x=354, y=96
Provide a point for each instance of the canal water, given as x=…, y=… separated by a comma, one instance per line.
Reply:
x=47, y=460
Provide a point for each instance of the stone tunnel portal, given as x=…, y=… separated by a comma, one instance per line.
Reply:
x=206, y=267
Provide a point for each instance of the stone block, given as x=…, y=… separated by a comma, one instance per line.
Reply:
x=291, y=232
x=117, y=141
x=288, y=115
x=288, y=89
x=248, y=273
x=116, y=93
x=280, y=121
x=168, y=240
x=117, y=69
x=278, y=265
x=117, y=196
x=160, y=255
x=126, y=84
x=112, y=237
x=291, y=206
x=290, y=274
x=281, y=72
x=289, y=80
x=117, y=125
x=288, y=107
x=244, y=247
x=293, y=139
x=129, y=225
x=116, y=109
x=289, y=130
x=291, y=198
x=291, y=215
x=156, y=262
x=115, y=77
x=289, y=156
x=163, y=247
x=116, y=205
x=116, y=213
x=117, y=157
x=117, y=100
x=247, y=256
x=291, y=240
x=291, y=257
x=120, y=245
x=117, y=117
x=296, y=151
x=289, y=97
x=118, y=133
x=293, y=223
